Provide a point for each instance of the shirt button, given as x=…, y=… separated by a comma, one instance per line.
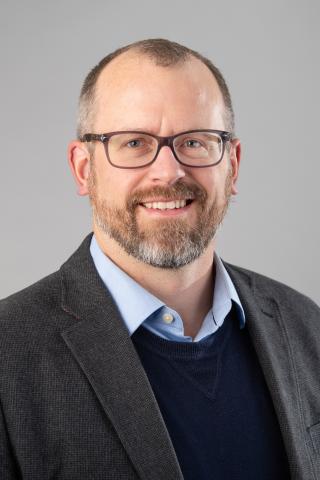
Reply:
x=167, y=318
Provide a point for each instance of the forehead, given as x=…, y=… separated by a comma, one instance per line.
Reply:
x=133, y=84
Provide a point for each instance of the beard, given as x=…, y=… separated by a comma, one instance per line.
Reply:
x=165, y=242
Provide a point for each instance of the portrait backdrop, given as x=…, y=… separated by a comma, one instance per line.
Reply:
x=269, y=55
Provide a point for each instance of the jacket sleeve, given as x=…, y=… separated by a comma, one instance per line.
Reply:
x=8, y=468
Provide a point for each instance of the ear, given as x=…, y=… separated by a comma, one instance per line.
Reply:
x=79, y=162
x=235, y=156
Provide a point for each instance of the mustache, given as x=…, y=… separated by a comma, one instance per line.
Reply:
x=178, y=190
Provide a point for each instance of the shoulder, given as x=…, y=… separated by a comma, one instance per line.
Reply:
x=261, y=285
x=32, y=306
x=31, y=324
x=43, y=290
x=283, y=309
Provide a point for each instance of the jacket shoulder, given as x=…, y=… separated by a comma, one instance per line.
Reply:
x=263, y=285
x=34, y=301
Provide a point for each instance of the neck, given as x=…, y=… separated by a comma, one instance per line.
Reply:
x=187, y=290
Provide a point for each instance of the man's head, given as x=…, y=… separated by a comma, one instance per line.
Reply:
x=160, y=88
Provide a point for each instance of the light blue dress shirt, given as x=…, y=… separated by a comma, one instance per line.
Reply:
x=137, y=306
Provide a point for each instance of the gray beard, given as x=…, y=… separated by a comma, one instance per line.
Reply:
x=167, y=243
x=165, y=249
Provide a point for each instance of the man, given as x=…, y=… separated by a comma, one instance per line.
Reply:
x=145, y=356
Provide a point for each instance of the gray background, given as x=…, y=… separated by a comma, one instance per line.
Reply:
x=269, y=54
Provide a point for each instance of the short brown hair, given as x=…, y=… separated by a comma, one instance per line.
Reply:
x=165, y=54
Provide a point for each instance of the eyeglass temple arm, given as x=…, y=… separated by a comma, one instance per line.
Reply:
x=89, y=137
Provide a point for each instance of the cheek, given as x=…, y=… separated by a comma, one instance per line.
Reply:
x=214, y=182
x=115, y=185
x=209, y=180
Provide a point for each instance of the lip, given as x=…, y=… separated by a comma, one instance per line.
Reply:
x=166, y=200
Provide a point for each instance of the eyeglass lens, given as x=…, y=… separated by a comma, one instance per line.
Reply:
x=192, y=149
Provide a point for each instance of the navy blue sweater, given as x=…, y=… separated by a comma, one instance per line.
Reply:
x=215, y=404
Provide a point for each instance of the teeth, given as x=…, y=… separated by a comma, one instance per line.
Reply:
x=166, y=205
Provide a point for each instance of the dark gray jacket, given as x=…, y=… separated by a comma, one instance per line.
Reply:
x=76, y=403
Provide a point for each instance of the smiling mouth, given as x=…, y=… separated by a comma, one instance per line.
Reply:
x=171, y=205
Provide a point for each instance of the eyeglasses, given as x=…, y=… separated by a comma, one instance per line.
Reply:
x=135, y=149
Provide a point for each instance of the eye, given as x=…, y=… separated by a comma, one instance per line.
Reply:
x=192, y=143
x=135, y=143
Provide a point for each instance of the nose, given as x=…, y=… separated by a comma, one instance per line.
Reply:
x=166, y=169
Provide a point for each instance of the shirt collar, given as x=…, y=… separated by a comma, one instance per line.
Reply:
x=225, y=294
x=136, y=304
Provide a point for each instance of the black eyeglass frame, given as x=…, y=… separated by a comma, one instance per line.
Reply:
x=162, y=142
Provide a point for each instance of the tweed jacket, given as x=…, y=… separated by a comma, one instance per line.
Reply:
x=75, y=402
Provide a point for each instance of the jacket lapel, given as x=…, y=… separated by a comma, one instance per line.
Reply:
x=267, y=327
x=102, y=346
